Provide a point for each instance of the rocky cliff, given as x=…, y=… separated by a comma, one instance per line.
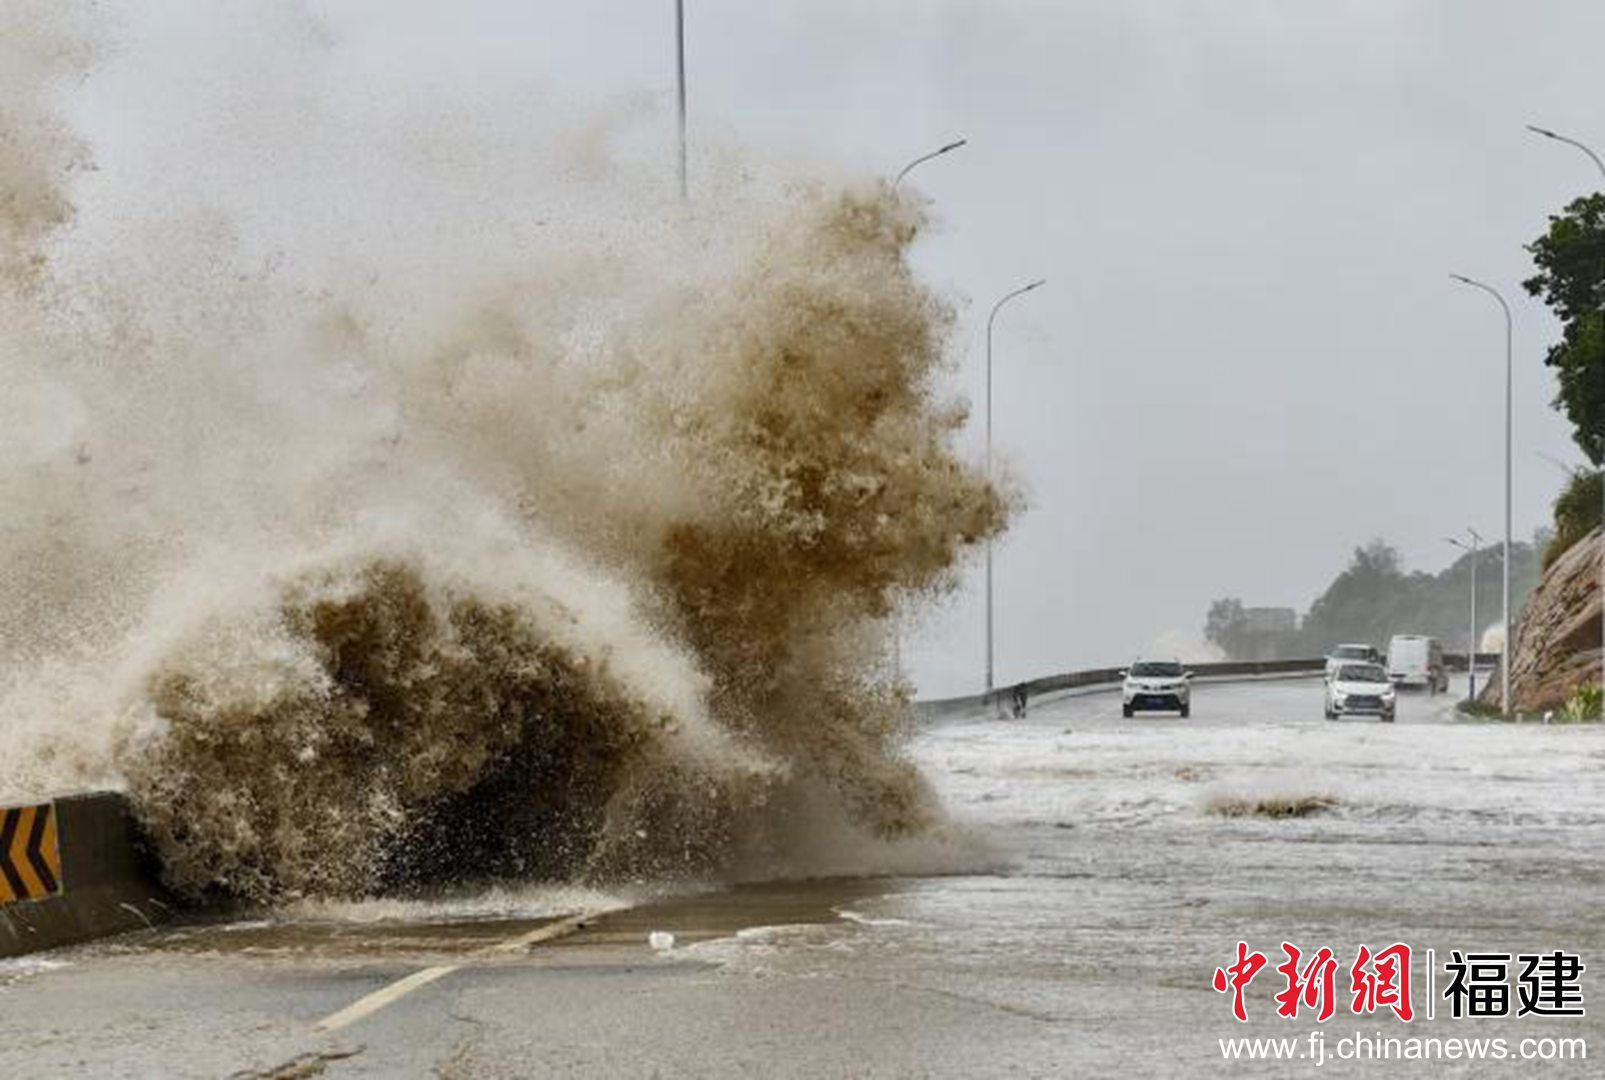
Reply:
x=1558, y=633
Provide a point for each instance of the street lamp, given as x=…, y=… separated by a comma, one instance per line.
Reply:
x=1475, y=548
x=679, y=84
x=897, y=629
x=1510, y=629
x=926, y=157
x=1546, y=133
x=1021, y=291
x=1600, y=164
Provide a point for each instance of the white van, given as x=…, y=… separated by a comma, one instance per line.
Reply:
x=1416, y=660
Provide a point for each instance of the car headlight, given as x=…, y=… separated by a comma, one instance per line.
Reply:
x=1387, y=695
x=1338, y=699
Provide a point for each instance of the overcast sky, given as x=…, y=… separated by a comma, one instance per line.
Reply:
x=1249, y=357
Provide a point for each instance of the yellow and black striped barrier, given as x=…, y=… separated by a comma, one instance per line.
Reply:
x=30, y=855
x=73, y=868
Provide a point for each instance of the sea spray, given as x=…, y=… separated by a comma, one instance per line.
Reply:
x=377, y=720
x=515, y=524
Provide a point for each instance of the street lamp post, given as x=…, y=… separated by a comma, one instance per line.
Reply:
x=1600, y=164
x=1022, y=290
x=897, y=628
x=1546, y=133
x=679, y=84
x=906, y=169
x=1510, y=629
x=1475, y=547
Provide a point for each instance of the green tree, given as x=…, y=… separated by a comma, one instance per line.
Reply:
x=1577, y=512
x=1361, y=603
x=1242, y=636
x=1571, y=280
x=1375, y=598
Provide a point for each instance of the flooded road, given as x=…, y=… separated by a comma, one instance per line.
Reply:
x=1129, y=857
x=1141, y=860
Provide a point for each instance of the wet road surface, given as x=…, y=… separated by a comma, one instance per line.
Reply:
x=1128, y=858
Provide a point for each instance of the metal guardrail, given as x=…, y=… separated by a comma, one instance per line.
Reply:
x=1110, y=676
x=1457, y=661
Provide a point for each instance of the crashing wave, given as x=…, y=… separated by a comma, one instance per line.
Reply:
x=515, y=525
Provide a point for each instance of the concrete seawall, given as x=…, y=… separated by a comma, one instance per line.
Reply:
x=70, y=871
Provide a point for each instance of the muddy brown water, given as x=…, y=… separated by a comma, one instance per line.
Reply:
x=700, y=916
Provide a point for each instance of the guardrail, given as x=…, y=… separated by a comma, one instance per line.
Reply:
x=1110, y=677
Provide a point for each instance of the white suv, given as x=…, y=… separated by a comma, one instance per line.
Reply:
x=1156, y=685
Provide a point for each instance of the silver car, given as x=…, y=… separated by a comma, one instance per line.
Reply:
x=1360, y=690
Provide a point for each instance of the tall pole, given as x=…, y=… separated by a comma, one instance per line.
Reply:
x=1471, y=663
x=1510, y=337
x=926, y=157
x=1475, y=548
x=1599, y=164
x=897, y=626
x=990, y=319
x=679, y=71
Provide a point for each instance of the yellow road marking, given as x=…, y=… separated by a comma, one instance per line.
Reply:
x=399, y=989
x=560, y=928
x=380, y=998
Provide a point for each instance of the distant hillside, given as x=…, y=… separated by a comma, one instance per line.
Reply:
x=1375, y=598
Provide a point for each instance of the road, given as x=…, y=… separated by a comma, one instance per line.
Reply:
x=1069, y=924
